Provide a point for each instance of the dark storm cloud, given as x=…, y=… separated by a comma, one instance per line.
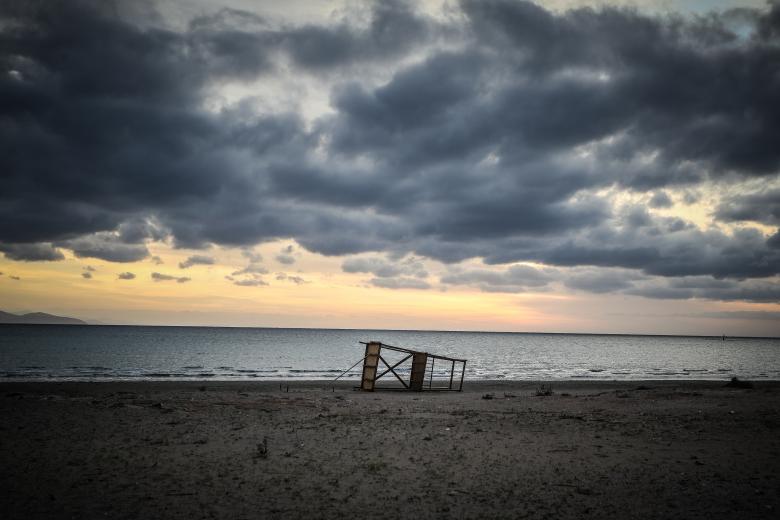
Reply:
x=391, y=272
x=619, y=281
x=105, y=246
x=401, y=282
x=742, y=315
x=197, y=260
x=660, y=199
x=230, y=44
x=664, y=248
x=656, y=69
x=493, y=133
x=517, y=278
x=137, y=231
x=751, y=291
x=385, y=268
x=101, y=120
x=761, y=207
x=393, y=29
x=31, y=252
x=774, y=241
x=601, y=281
x=570, y=254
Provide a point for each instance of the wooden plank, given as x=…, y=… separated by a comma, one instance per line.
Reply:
x=419, y=362
x=370, y=364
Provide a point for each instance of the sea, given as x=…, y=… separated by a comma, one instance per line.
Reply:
x=109, y=353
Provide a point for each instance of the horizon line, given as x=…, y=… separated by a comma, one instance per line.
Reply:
x=719, y=336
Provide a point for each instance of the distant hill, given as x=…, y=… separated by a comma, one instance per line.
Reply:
x=38, y=318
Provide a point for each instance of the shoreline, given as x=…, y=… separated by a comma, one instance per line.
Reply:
x=271, y=385
x=210, y=449
x=307, y=382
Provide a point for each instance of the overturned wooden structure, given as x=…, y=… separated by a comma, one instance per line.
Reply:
x=419, y=376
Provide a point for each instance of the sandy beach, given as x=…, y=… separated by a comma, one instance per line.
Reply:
x=497, y=450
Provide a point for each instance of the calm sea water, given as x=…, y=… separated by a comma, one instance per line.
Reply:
x=46, y=352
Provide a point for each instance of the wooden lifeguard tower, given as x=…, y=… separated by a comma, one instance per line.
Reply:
x=422, y=375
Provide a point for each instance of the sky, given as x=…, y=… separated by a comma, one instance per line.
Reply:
x=567, y=166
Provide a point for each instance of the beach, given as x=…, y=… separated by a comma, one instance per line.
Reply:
x=595, y=449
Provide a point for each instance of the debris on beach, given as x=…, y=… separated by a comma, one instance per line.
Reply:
x=262, y=449
x=422, y=375
x=544, y=390
x=738, y=383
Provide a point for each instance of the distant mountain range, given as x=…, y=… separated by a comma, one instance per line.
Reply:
x=38, y=318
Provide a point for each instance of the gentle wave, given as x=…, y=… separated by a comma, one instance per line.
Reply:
x=202, y=353
x=104, y=373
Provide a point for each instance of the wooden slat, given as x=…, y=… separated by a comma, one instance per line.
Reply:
x=419, y=361
x=370, y=364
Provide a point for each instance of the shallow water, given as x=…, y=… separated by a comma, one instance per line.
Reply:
x=46, y=352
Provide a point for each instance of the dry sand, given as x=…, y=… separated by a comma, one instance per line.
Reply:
x=195, y=450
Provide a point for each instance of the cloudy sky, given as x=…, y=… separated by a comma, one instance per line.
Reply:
x=474, y=165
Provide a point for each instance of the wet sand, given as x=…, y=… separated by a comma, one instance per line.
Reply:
x=250, y=450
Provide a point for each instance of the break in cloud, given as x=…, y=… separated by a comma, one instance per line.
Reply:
x=503, y=131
